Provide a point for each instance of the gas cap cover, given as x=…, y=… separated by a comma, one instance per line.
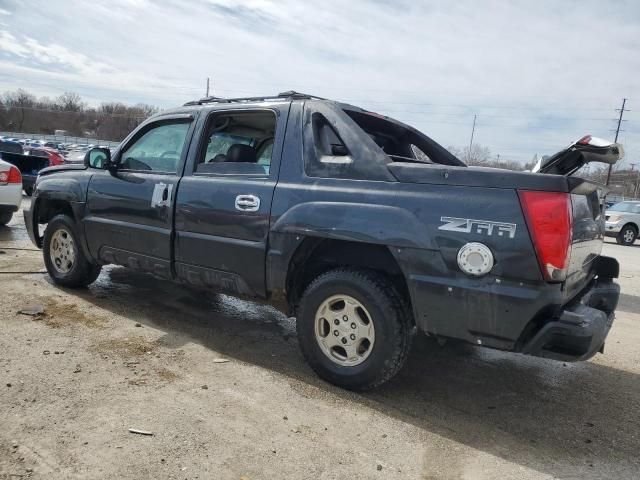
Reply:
x=475, y=259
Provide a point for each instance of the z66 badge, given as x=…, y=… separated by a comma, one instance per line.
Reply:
x=468, y=225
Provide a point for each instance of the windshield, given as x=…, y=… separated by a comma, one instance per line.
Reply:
x=624, y=207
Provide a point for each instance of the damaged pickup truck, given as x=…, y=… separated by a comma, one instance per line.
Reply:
x=362, y=227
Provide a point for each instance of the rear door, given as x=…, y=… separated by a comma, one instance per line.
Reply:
x=223, y=206
x=129, y=212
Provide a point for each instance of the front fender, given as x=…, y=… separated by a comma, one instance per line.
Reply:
x=58, y=187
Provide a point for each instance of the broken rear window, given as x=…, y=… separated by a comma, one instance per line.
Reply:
x=400, y=142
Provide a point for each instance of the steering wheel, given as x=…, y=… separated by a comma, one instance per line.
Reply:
x=169, y=153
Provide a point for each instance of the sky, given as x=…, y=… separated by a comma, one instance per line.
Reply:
x=538, y=75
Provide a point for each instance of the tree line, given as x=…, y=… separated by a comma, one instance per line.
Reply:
x=21, y=111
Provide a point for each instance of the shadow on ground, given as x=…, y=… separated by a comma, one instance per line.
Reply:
x=555, y=418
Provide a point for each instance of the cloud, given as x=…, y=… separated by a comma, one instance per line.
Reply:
x=537, y=74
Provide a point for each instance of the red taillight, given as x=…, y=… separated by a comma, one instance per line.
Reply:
x=548, y=216
x=12, y=176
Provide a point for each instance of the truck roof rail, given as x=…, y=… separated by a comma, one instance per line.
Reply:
x=291, y=94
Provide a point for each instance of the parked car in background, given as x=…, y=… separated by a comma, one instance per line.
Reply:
x=75, y=157
x=10, y=191
x=55, y=158
x=10, y=146
x=28, y=165
x=623, y=222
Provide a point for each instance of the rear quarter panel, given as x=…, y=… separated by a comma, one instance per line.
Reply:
x=409, y=220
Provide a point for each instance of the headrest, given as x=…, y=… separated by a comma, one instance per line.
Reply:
x=241, y=153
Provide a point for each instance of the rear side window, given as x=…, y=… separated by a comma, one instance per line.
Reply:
x=238, y=143
x=336, y=147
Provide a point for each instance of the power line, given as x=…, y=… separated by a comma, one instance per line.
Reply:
x=473, y=130
x=621, y=110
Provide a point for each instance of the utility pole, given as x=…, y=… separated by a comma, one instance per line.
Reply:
x=622, y=110
x=473, y=130
x=207, y=95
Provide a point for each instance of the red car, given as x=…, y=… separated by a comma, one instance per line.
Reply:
x=55, y=157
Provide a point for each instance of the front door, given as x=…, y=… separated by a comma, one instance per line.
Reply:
x=223, y=206
x=130, y=211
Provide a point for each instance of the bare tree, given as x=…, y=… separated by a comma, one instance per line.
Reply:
x=70, y=102
x=19, y=101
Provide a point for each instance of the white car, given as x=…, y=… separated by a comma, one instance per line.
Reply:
x=623, y=222
x=10, y=191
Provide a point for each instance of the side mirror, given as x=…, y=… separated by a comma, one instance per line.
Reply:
x=98, y=158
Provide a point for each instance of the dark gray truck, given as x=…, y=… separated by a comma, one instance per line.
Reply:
x=362, y=227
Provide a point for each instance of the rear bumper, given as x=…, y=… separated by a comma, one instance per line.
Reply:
x=10, y=197
x=579, y=332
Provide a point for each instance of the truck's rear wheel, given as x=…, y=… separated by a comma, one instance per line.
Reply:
x=627, y=235
x=65, y=261
x=353, y=328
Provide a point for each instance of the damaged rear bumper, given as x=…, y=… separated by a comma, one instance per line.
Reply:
x=579, y=332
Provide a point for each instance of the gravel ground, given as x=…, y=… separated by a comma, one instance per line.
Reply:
x=223, y=388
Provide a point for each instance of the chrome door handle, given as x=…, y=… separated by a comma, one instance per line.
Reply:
x=247, y=203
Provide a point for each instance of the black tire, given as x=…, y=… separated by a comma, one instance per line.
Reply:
x=391, y=321
x=627, y=235
x=28, y=191
x=5, y=217
x=82, y=272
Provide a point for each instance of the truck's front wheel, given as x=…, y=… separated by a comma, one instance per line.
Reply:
x=353, y=328
x=65, y=261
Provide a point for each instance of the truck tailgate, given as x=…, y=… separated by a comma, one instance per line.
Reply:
x=587, y=232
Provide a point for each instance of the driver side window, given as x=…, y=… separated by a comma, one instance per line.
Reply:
x=158, y=149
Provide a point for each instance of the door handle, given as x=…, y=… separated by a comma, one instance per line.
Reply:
x=247, y=203
x=161, y=195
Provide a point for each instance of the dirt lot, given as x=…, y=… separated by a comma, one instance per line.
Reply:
x=223, y=388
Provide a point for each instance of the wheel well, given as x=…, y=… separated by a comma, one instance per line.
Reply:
x=632, y=225
x=50, y=208
x=316, y=256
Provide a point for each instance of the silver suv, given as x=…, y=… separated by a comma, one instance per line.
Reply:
x=623, y=222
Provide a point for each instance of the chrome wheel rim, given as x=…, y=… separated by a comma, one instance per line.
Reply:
x=629, y=236
x=62, y=250
x=344, y=330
